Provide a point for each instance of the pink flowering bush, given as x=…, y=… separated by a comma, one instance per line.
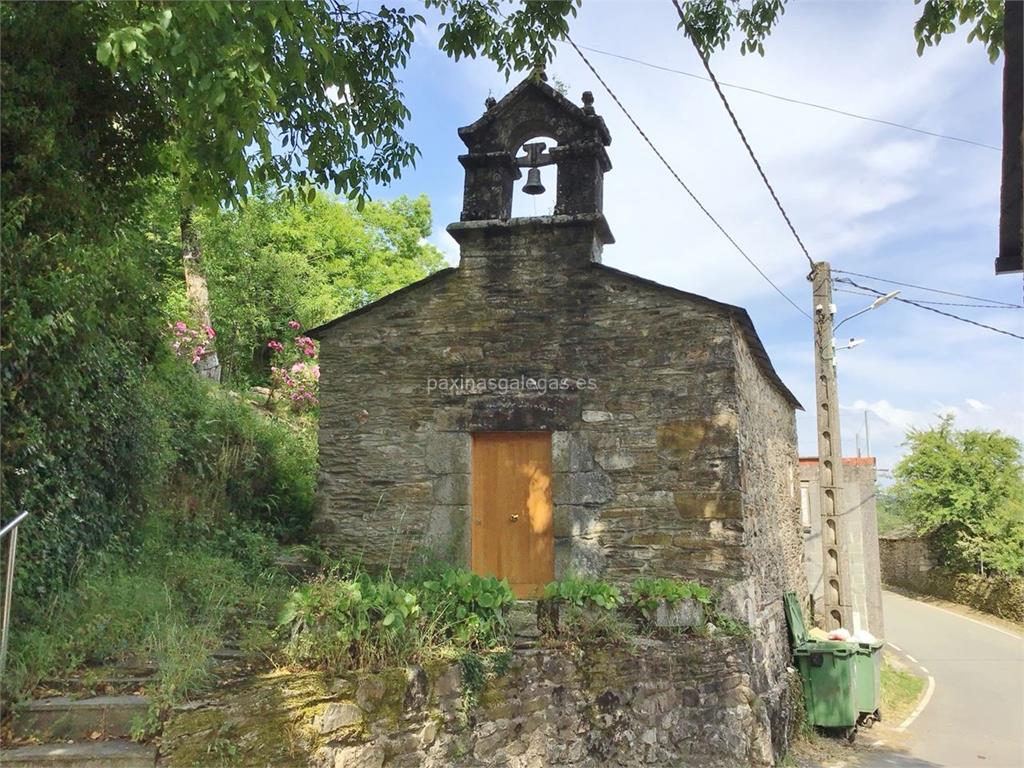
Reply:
x=295, y=372
x=193, y=344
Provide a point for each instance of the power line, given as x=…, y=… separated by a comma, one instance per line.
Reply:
x=743, y=137
x=930, y=290
x=682, y=183
x=932, y=303
x=801, y=102
x=941, y=312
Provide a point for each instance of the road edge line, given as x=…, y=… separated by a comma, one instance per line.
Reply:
x=980, y=622
x=920, y=706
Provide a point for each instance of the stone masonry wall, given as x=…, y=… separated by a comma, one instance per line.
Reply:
x=771, y=523
x=905, y=558
x=688, y=701
x=646, y=460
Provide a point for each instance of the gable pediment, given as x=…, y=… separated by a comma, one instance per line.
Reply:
x=533, y=108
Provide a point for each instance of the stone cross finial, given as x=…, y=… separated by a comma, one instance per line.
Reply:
x=588, y=102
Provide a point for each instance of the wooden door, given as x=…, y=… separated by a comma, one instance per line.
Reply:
x=512, y=536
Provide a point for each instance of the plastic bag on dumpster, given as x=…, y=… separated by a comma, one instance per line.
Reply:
x=863, y=636
x=817, y=634
x=839, y=634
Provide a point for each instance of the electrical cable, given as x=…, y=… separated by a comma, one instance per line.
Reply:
x=930, y=290
x=801, y=102
x=743, y=137
x=941, y=312
x=932, y=303
x=682, y=183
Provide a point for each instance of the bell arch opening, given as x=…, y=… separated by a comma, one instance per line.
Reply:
x=536, y=192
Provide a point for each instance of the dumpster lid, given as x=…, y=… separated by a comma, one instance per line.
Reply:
x=795, y=617
x=870, y=647
x=839, y=648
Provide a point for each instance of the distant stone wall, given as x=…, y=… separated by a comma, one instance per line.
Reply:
x=688, y=701
x=909, y=562
x=906, y=560
x=859, y=526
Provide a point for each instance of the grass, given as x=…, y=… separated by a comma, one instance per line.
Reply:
x=900, y=692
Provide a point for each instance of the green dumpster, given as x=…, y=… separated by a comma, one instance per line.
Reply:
x=828, y=672
x=868, y=663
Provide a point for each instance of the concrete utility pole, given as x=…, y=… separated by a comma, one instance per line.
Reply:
x=838, y=609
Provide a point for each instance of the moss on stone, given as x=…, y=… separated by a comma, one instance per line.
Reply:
x=264, y=720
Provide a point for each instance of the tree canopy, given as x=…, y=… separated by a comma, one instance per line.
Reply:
x=966, y=488
x=299, y=95
x=712, y=23
x=274, y=260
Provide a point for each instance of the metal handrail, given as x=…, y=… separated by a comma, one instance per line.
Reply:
x=12, y=548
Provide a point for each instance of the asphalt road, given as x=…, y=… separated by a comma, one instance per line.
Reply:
x=975, y=716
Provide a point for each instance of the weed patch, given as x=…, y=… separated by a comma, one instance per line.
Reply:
x=361, y=621
x=171, y=603
x=900, y=690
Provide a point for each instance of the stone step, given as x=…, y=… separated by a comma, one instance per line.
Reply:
x=296, y=565
x=228, y=653
x=83, y=754
x=522, y=619
x=60, y=717
x=107, y=684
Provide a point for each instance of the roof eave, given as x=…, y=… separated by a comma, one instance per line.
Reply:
x=317, y=333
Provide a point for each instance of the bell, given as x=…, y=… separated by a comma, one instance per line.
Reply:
x=533, y=185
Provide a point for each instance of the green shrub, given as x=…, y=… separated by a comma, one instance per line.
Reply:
x=468, y=608
x=582, y=592
x=79, y=306
x=344, y=624
x=272, y=260
x=645, y=594
x=229, y=458
x=363, y=621
x=584, y=611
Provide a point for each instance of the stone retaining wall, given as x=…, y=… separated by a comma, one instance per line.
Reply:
x=688, y=701
x=909, y=562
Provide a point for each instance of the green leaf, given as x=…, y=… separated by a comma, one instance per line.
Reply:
x=104, y=52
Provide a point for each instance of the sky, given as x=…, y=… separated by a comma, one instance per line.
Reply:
x=868, y=198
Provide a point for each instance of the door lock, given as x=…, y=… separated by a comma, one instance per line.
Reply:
x=513, y=518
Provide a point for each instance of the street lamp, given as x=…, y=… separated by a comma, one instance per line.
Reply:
x=853, y=342
x=874, y=305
